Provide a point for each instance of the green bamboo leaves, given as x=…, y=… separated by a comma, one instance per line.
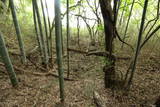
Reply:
x=8, y=64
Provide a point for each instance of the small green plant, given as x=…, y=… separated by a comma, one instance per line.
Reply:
x=106, y=61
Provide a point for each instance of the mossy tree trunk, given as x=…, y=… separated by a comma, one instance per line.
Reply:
x=18, y=31
x=6, y=59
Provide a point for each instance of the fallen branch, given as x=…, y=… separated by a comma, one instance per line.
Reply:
x=99, y=53
x=14, y=54
x=104, y=54
x=37, y=66
x=77, y=51
x=51, y=74
x=98, y=100
x=123, y=58
x=15, y=67
x=28, y=57
x=30, y=52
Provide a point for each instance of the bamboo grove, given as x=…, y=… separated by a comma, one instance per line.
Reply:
x=109, y=19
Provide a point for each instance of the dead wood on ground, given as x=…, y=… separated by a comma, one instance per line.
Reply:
x=15, y=67
x=51, y=74
x=99, y=53
x=98, y=100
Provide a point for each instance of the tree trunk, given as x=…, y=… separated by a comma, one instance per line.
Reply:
x=45, y=54
x=133, y=67
x=46, y=28
x=18, y=31
x=122, y=14
x=130, y=13
x=6, y=59
x=59, y=47
x=36, y=30
x=68, y=37
x=50, y=33
x=107, y=14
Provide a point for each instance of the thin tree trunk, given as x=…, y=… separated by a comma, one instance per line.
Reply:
x=150, y=35
x=118, y=8
x=36, y=30
x=62, y=44
x=45, y=57
x=59, y=47
x=68, y=36
x=115, y=11
x=46, y=29
x=51, y=40
x=50, y=32
x=125, y=4
x=78, y=31
x=8, y=64
x=130, y=13
x=49, y=23
x=18, y=32
x=138, y=44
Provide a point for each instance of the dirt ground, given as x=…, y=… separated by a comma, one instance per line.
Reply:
x=38, y=88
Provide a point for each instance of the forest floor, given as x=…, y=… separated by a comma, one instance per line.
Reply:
x=39, y=88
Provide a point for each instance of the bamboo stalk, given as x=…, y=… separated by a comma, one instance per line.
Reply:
x=6, y=60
